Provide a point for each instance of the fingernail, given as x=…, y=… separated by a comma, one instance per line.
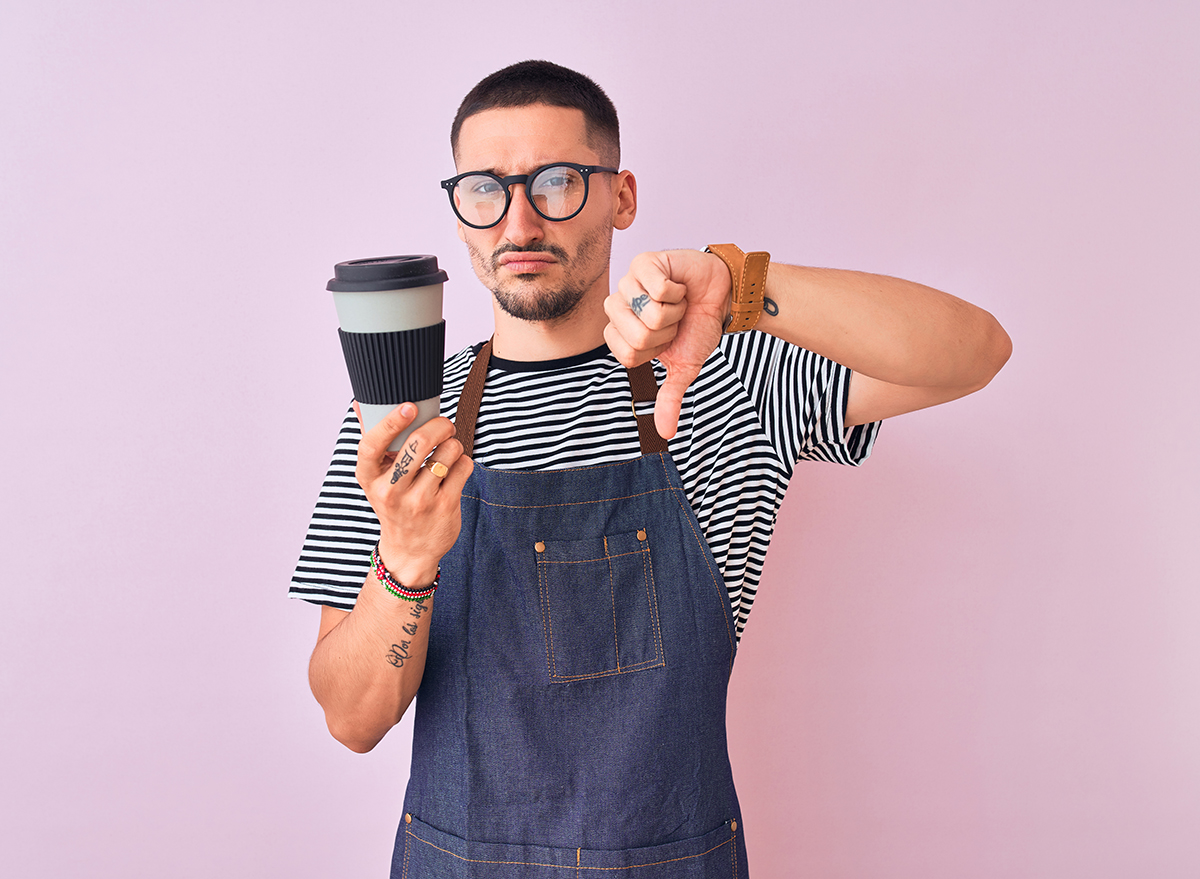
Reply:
x=408, y=410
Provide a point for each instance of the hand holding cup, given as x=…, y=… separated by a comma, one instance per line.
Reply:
x=419, y=511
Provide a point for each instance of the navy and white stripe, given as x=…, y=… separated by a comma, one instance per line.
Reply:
x=759, y=406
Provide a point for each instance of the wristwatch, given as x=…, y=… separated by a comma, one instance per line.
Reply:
x=748, y=272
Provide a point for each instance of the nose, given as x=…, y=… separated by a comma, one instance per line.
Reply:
x=522, y=224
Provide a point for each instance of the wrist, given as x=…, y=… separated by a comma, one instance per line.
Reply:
x=727, y=308
x=413, y=572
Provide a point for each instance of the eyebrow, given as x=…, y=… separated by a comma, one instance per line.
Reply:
x=492, y=169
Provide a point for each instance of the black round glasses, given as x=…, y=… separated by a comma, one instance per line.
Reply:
x=557, y=192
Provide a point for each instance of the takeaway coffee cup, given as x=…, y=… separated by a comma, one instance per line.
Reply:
x=390, y=314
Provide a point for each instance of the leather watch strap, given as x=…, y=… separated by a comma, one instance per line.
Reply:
x=748, y=272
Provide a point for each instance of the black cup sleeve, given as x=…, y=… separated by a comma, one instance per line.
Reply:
x=391, y=368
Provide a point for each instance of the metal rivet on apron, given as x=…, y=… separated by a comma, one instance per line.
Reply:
x=539, y=546
x=733, y=825
x=642, y=534
x=408, y=818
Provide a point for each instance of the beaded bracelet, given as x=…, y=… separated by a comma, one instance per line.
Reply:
x=394, y=586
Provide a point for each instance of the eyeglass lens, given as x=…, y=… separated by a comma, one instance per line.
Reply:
x=557, y=192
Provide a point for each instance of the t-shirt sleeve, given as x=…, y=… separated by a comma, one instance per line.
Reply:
x=337, y=548
x=801, y=398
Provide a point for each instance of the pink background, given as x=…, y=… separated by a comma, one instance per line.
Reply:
x=976, y=656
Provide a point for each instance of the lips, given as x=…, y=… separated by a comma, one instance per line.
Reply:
x=525, y=261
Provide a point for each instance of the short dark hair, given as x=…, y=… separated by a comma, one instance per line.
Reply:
x=543, y=82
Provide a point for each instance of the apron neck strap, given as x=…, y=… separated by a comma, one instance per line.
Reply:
x=641, y=382
x=468, y=400
x=645, y=390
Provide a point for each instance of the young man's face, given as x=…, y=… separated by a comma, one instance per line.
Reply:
x=538, y=269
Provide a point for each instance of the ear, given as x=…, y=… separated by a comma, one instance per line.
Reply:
x=462, y=233
x=624, y=200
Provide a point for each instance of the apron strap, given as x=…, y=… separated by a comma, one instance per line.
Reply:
x=468, y=400
x=645, y=390
x=641, y=382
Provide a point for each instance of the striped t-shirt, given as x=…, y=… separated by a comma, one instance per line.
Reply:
x=759, y=406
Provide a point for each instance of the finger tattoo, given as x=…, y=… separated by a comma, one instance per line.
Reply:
x=639, y=303
x=402, y=466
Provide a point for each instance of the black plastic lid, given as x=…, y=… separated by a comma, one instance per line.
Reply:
x=386, y=273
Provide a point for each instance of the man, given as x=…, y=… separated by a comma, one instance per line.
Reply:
x=594, y=579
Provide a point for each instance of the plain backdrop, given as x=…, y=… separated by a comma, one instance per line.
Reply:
x=977, y=655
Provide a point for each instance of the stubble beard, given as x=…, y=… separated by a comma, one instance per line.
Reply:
x=546, y=305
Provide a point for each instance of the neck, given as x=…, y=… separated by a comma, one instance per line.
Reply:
x=576, y=333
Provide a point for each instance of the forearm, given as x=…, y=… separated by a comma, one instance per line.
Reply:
x=889, y=329
x=367, y=666
x=909, y=346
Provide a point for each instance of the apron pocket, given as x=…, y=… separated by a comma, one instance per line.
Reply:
x=599, y=606
x=428, y=853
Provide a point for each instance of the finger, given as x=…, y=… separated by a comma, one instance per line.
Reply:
x=637, y=334
x=458, y=475
x=448, y=487
x=437, y=465
x=651, y=285
x=419, y=445
x=373, y=447
x=669, y=402
x=625, y=353
x=655, y=314
x=432, y=435
x=651, y=273
x=654, y=300
x=358, y=412
x=666, y=415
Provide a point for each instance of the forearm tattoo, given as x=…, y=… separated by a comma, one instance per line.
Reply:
x=405, y=462
x=397, y=653
x=639, y=303
x=770, y=306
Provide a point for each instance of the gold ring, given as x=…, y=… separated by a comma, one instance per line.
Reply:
x=438, y=469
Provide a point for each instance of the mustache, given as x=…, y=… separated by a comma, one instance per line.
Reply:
x=535, y=247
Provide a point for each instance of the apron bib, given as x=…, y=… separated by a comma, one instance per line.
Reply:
x=571, y=717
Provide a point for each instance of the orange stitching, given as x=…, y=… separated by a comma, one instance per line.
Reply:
x=656, y=662
x=602, y=500
x=547, y=623
x=561, y=867
x=590, y=561
x=612, y=593
x=652, y=591
x=548, y=637
x=626, y=462
x=721, y=588
x=548, y=633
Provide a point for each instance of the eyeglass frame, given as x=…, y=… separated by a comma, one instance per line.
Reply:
x=507, y=183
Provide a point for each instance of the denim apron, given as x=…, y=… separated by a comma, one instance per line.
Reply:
x=571, y=718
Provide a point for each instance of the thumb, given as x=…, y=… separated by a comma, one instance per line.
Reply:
x=669, y=402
